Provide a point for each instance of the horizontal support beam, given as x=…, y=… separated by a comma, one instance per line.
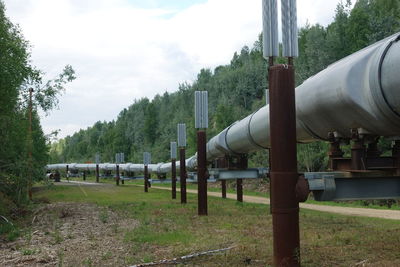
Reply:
x=336, y=186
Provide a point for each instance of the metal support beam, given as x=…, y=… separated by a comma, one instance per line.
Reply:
x=223, y=188
x=182, y=174
x=239, y=190
x=146, y=174
x=117, y=174
x=337, y=186
x=97, y=173
x=284, y=176
x=173, y=177
x=84, y=175
x=201, y=173
x=358, y=161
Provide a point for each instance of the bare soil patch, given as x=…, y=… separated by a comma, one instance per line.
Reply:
x=70, y=234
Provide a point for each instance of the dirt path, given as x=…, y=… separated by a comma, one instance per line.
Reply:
x=375, y=213
x=366, y=212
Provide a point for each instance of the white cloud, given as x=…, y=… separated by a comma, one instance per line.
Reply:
x=122, y=52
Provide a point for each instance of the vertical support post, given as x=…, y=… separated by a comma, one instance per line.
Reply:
x=173, y=177
x=334, y=152
x=357, y=152
x=67, y=172
x=201, y=173
x=182, y=173
x=223, y=188
x=239, y=190
x=284, y=176
x=97, y=173
x=146, y=162
x=182, y=159
x=173, y=168
x=84, y=175
x=146, y=182
x=97, y=160
x=117, y=174
x=201, y=123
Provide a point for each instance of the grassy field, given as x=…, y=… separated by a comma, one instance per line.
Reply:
x=168, y=229
x=215, y=187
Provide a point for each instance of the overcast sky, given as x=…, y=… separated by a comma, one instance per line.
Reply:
x=123, y=50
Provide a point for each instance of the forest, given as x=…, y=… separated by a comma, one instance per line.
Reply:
x=235, y=90
x=23, y=152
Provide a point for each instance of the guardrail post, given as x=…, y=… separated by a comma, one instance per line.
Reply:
x=84, y=175
x=67, y=172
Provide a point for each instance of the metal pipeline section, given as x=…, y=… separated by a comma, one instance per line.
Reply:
x=360, y=91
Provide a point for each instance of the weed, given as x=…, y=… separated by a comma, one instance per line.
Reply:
x=57, y=236
x=28, y=251
x=88, y=262
x=106, y=256
x=60, y=255
x=13, y=234
x=103, y=216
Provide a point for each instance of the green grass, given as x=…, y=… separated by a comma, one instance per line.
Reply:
x=354, y=204
x=169, y=229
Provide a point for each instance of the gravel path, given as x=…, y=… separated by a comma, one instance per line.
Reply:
x=366, y=212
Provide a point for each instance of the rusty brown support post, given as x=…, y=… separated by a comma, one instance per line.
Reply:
x=357, y=153
x=201, y=173
x=182, y=174
x=97, y=173
x=239, y=190
x=284, y=176
x=223, y=188
x=117, y=174
x=173, y=178
x=334, y=152
x=146, y=183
